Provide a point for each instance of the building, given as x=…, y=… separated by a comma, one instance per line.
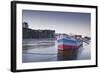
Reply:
x=38, y=34
x=25, y=25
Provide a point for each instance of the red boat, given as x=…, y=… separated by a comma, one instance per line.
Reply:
x=68, y=42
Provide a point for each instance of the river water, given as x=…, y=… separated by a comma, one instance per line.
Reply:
x=44, y=50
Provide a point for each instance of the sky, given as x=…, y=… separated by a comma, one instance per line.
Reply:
x=61, y=22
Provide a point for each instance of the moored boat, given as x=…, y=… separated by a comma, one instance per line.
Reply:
x=68, y=42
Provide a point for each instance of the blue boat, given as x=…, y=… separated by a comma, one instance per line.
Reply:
x=68, y=42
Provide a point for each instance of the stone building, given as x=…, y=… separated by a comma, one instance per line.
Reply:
x=36, y=34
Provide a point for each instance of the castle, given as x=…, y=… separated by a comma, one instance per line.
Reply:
x=29, y=33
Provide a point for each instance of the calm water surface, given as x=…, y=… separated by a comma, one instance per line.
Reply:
x=41, y=50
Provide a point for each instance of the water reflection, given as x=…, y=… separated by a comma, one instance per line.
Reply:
x=69, y=54
x=44, y=51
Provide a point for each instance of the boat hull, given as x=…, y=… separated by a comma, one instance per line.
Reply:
x=64, y=44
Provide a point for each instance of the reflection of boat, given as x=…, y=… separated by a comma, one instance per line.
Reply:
x=68, y=42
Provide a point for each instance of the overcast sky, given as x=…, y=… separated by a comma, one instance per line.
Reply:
x=61, y=22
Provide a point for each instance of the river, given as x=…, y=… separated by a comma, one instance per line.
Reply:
x=44, y=50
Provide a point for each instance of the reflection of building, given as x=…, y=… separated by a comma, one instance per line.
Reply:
x=36, y=34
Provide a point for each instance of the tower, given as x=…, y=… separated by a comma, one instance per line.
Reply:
x=25, y=25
